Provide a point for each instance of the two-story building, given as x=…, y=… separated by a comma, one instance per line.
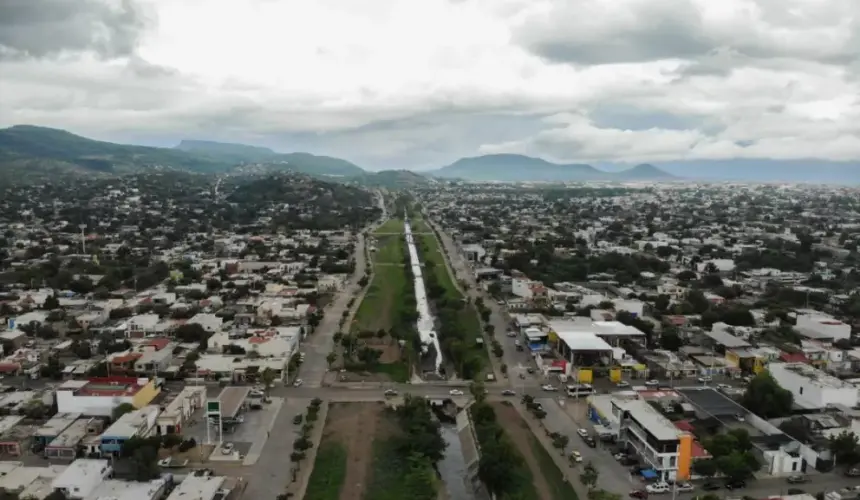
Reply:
x=99, y=396
x=138, y=423
x=663, y=447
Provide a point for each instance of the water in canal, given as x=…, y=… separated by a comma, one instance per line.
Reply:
x=452, y=467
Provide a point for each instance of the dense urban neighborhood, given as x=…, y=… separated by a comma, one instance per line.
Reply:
x=271, y=334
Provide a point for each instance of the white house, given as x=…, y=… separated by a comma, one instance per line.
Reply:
x=82, y=477
x=822, y=326
x=811, y=387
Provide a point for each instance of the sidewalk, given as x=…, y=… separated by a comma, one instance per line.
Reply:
x=570, y=473
x=306, y=466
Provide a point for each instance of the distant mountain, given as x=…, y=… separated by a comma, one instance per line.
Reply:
x=643, y=172
x=55, y=148
x=51, y=146
x=520, y=168
x=241, y=152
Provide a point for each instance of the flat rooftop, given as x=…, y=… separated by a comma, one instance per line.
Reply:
x=197, y=488
x=650, y=419
x=57, y=424
x=813, y=375
x=112, y=386
x=112, y=489
x=586, y=325
x=71, y=436
x=231, y=400
x=712, y=402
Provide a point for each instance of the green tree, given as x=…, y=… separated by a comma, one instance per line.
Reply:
x=120, y=410
x=706, y=468
x=589, y=475
x=844, y=448
x=766, y=398
x=331, y=358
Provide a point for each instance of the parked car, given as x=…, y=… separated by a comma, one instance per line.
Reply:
x=736, y=485
x=797, y=479
x=455, y=392
x=390, y=393
x=509, y=392
x=705, y=379
x=684, y=487
x=658, y=488
x=548, y=388
x=298, y=382
x=622, y=384
x=640, y=494
x=855, y=472
x=652, y=383
x=576, y=456
x=796, y=491
x=711, y=486
x=590, y=442
x=582, y=433
x=227, y=448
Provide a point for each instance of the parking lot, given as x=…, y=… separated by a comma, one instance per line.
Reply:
x=250, y=433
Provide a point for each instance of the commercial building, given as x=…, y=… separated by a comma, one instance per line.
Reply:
x=82, y=477
x=99, y=396
x=654, y=438
x=139, y=423
x=586, y=343
x=180, y=409
x=811, y=387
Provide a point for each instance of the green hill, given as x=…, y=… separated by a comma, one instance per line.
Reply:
x=55, y=148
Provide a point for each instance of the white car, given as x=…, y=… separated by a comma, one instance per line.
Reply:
x=455, y=392
x=622, y=384
x=652, y=383
x=582, y=432
x=576, y=456
x=227, y=449
x=298, y=382
x=684, y=487
x=658, y=488
x=705, y=379
x=548, y=388
x=724, y=387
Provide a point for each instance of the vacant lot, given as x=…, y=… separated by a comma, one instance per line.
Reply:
x=380, y=306
x=391, y=226
x=342, y=468
x=390, y=249
x=548, y=480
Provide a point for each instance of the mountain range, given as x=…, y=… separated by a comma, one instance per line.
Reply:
x=517, y=168
x=31, y=148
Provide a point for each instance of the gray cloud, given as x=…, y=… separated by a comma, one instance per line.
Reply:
x=677, y=29
x=45, y=28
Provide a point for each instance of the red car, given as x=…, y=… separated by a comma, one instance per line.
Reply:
x=640, y=494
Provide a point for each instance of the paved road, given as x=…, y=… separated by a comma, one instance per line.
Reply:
x=517, y=361
x=320, y=344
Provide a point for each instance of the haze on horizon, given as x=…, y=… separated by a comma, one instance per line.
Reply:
x=394, y=84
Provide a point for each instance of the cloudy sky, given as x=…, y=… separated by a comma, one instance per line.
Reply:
x=417, y=84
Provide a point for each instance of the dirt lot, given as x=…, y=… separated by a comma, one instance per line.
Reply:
x=520, y=434
x=356, y=426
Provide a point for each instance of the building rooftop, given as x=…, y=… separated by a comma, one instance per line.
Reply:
x=71, y=435
x=113, y=489
x=231, y=400
x=650, y=419
x=131, y=423
x=586, y=325
x=813, y=375
x=197, y=488
x=57, y=424
x=82, y=476
x=111, y=386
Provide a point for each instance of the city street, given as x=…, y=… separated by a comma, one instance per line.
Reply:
x=321, y=342
x=517, y=361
